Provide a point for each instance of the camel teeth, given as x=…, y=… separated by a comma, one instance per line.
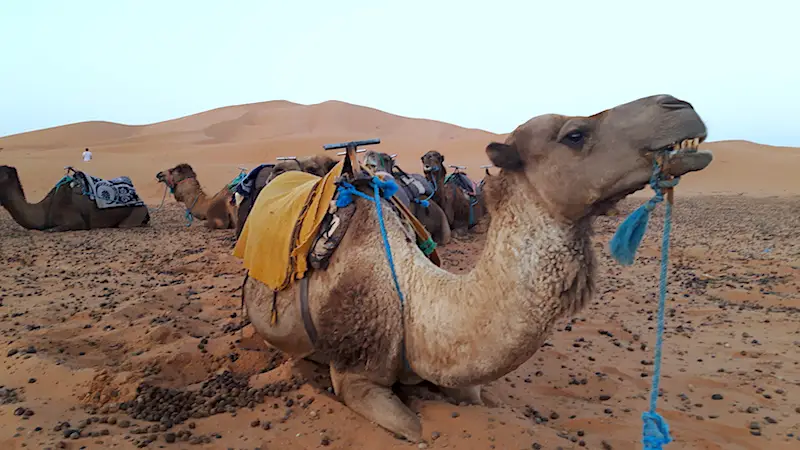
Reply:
x=676, y=147
x=696, y=142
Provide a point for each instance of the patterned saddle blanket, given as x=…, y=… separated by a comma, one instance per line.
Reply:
x=114, y=193
x=246, y=186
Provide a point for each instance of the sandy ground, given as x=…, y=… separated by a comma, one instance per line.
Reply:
x=89, y=316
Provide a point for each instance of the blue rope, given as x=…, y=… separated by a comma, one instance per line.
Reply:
x=381, y=188
x=655, y=430
x=236, y=181
x=66, y=179
x=189, y=217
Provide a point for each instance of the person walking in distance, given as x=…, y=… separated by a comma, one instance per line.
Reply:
x=87, y=155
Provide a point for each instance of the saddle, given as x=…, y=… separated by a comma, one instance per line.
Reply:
x=114, y=193
x=416, y=186
x=295, y=225
x=461, y=180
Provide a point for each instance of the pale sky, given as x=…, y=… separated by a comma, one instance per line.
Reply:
x=490, y=66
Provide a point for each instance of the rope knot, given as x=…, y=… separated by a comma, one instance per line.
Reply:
x=655, y=433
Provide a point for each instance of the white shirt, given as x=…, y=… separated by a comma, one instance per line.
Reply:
x=87, y=156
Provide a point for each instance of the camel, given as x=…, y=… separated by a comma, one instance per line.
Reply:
x=65, y=207
x=318, y=165
x=218, y=211
x=432, y=216
x=556, y=174
x=462, y=210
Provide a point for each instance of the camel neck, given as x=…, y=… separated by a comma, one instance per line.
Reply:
x=437, y=178
x=191, y=194
x=473, y=328
x=29, y=216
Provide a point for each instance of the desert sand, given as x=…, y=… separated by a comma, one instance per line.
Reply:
x=98, y=325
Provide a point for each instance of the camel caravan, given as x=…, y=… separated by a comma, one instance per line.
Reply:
x=341, y=255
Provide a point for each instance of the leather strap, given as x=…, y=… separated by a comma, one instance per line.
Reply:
x=305, y=312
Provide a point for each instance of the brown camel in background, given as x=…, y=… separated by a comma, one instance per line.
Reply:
x=218, y=211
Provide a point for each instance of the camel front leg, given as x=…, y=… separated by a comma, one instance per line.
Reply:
x=376, y=403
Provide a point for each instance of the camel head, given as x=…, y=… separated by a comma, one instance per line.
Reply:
x=9, y=180
x=433, y=161
x=286, y=165
x=582, y=166
x=376, y=161
x=318, y=165
x=172, y=177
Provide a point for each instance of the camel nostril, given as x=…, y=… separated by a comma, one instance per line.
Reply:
x=670, y=102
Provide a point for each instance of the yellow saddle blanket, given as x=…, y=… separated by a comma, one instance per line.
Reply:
x=282, y=225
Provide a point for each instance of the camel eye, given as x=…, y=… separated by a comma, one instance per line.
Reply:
x=574, y=139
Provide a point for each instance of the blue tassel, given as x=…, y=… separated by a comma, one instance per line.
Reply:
x=656, y=431
x=387, y=188
x=630, y=233
x=422, y=202
x=345, y=195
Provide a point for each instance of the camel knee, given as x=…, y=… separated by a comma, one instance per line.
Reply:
x=376, y=403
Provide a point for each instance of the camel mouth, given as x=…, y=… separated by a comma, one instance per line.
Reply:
x=683, y=156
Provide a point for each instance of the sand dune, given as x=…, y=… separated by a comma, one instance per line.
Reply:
x=218, y=141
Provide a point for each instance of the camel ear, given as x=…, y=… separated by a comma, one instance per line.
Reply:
x=504, y=156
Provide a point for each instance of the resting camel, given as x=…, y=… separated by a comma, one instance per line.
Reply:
x=538, y=264
x=218, y=211
x=463, y=212
x=318, y=165
x=431, y=216
x=64, y=208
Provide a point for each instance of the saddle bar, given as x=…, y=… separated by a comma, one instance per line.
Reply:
x=286, y=158
x=393, y=155
x=457, y=167
x=360, y=150
x=487, y=166
x=351, y=144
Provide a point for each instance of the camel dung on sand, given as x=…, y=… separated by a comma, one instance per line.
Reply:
x=538, y=264
x=463, y=209
x=416, y=193
x=218, y=211
x=317, y=165
x=66, y=207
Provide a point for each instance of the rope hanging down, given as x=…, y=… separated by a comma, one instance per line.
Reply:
x=655, y=431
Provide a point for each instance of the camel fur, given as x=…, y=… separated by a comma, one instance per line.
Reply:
x=317, y=165
x=557, y=173
x=218, y=211
x=453, y=200
x=432, y=216
x=64, y=208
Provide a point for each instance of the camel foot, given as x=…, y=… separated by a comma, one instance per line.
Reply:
x=377, y=404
